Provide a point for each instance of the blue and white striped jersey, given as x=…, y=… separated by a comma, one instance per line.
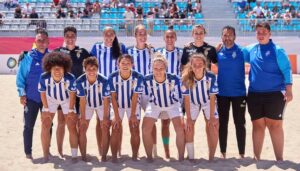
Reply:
x=163, y=94
x=126, y=88
x=174, y=59
x=107, y=64
x=95, y=92
x=199, y=93
x=57, y=90
x=142, y=59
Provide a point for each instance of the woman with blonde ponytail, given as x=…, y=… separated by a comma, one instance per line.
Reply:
x=199, y=91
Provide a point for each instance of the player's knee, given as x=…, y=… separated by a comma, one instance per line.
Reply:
x=46, y=122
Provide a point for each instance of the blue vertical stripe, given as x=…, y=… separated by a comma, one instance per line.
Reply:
x=49, y=89
x=145, y=61
x=165, y=94
x=89, y=97
x=94, y=95
x=158, y=95
x=203, y=92
x=138, y=62
x=60, y=91
x=172, y=62
x=128, y=93
x=197, y=93
x=123, y=96
x=105, y=61
x=110, y=61
x=55, y=91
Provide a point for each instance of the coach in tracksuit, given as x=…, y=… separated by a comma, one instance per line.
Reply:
x=30, y=70
x=232, y=90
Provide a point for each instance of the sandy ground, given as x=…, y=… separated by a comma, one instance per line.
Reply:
x=12, y=156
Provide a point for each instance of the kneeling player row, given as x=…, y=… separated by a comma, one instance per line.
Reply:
x=128, y=91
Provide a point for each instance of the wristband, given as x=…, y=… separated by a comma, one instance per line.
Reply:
x=71, y=110
x=45, y=110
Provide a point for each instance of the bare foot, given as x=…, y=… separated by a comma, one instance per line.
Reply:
x=223, y=155
x=103, y=159
x=45, y=160
x=61, y=154
x=74, y=160
x=114, y=160
x=242, y=156
x=150, y=160
x=167, y=155
x=135, y=158
x=29, y=156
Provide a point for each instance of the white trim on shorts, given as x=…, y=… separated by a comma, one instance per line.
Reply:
x=153, y=111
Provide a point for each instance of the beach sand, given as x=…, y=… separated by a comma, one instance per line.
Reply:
x=12, y=155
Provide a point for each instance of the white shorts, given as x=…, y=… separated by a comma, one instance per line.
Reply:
x=90, y=111
x=128, y=112
x=144, y=101
x=170, y=112
x=196, y=109
x=53, y=105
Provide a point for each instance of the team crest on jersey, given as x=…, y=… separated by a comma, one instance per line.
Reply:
x=133, y=84
x=172, y=86
x=191, y=51
x=206, y=51
x=78, y=52
x=268, y=53
x=234, y=55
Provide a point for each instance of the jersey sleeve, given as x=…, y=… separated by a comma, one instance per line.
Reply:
x=94, y=50
x=80, y=89
x=22, y=73
x=185, y=56
x=146, y=90
x=139, y=88
x=213, y=55
x=42, y=84
x=284, y=66
x=111, y=84
x=214, y=89
x=72, y=84
x=178, y=87
x=106, y=89
x=246, y=54
x=85, y=53
x=123, y=48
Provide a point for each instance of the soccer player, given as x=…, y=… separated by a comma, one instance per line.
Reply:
x=107, y=53
x=232, y=90
x=199, y=91
x=77, y=55
x=173, y=55
x=57, y=88
x=199, y=46
x=126, y=85
x=29, y=72
x=270, y=89
x=94, y=97
x=164, y=94
x=141, y=53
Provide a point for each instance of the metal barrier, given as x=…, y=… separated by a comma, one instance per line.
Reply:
x=155, y=27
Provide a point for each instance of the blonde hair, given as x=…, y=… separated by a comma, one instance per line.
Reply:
x=188, y=74
x=157, y=56
x=139, y=27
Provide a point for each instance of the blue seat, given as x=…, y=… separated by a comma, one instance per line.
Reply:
x=157, y=28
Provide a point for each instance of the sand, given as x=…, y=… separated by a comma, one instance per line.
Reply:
x=12, y=155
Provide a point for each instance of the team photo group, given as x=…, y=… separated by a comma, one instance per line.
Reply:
x=146, y=83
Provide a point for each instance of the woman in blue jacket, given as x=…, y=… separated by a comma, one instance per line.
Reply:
x=270, y=89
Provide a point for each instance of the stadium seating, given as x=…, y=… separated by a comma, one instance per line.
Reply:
x=109, y=16
x=277, y=25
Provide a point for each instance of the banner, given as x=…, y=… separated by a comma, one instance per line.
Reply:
x=8, y=63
